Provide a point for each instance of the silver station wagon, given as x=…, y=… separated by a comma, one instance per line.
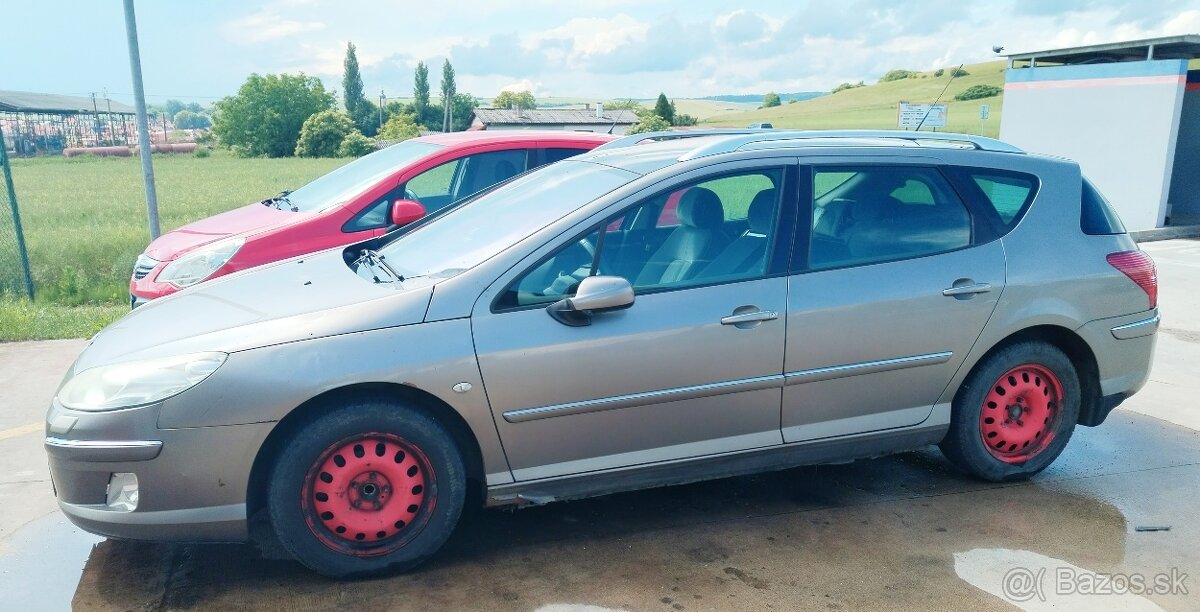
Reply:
x=662, y=310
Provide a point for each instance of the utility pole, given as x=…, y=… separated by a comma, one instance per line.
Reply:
x=139, y=99
x=95, y=119
x=381, y=99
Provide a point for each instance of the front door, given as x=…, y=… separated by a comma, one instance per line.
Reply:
x=693, y=368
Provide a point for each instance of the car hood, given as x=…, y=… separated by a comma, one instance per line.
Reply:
x=297, y=299
x=244, y=220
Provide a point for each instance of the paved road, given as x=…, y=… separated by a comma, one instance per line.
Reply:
x=900, y=532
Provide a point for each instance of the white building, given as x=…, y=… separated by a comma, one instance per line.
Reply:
x=1128, y=112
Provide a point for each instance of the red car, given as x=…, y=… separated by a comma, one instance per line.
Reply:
x=361, y=200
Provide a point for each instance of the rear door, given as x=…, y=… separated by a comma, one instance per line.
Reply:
x=895, y=280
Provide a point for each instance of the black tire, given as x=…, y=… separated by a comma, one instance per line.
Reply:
x=409, y=443
x=965, y=446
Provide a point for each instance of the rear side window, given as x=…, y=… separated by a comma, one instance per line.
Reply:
x=1096, y=216
x=553, y=155
x=870, y=214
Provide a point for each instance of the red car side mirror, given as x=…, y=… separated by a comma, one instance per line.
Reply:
x=406, y=211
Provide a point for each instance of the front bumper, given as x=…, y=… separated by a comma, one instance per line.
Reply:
x=191, y=483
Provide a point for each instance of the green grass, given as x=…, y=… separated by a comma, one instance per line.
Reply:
x=85, y=224
x=85, y=218
x=25, y=320
x=875, y=106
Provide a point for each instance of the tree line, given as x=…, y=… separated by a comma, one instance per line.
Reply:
x=280, y=115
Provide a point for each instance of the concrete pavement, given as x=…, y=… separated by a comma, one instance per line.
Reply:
x=900, y=532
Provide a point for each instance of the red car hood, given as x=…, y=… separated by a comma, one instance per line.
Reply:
x=244, y=220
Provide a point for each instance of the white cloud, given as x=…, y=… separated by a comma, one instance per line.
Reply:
x=267, y=25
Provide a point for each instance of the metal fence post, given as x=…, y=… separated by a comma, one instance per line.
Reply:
x=16, y=215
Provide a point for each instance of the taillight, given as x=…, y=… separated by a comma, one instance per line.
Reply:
x=1140, y=269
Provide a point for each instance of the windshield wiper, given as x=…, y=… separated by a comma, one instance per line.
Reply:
x=279, y=200
x=376, y=261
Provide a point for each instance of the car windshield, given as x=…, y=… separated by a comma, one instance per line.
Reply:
x=357, y=176
x=477, y=231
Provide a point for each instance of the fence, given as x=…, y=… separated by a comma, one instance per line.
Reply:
x=15, y=278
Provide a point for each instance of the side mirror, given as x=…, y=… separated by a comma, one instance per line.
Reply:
x=406, y=211
x=595, y=294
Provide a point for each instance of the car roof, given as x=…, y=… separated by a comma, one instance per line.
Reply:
x=644, y=153
x=451, y=139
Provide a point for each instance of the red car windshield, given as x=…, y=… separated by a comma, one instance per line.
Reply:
x=357, y=176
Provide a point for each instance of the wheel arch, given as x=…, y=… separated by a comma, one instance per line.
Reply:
x=1077, y=350
x=431, y=405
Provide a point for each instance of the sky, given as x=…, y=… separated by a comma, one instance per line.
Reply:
x=599, y=49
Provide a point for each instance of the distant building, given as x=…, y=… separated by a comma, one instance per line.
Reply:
x=36, y=123
x=578, y=120
x=1128, y=112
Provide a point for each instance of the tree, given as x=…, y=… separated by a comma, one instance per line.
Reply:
x=189, y=120
x=770, y=100
x=978, y=92
x=897, y=75
x=173, y=107
x=266, y=115
x=421, y=92
x=323, y=133
x=959, y=72
x=448, y=91
x=649, y=121
x=355, y=145
x=626, y=104
x=663, y=108
x=514, y=99
x=352, y=85
x=400, y=126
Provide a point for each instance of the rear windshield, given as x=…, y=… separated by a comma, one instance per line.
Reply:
x=1096, y=216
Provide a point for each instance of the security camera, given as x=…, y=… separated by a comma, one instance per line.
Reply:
x=997, y=49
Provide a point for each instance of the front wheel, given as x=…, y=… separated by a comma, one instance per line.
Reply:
x=369, y=488
x=1015, y=413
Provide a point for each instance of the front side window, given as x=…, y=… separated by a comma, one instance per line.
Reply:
x=717, y=230
x=463, y=177
x=871, y=214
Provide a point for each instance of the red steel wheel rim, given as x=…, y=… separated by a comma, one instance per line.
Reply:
x=1021, y=413
x=368, y=494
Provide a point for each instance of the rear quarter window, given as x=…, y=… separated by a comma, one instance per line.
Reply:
x=1096, y=215
x=1002, y=195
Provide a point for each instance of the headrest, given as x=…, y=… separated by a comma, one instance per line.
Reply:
x=700, y=207
x=762, y=211
x=505, y=170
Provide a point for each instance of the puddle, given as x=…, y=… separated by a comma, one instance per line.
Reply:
x=42, y=563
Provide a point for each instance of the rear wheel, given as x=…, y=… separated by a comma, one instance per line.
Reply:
x=368, y=488
x=1015, y=413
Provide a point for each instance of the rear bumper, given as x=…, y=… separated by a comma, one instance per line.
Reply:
x=1124, y=351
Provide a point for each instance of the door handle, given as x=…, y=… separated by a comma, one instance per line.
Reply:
x=750, y=317
x=966, y=290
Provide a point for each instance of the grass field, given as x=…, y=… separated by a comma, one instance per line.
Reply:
x=85, y=223
x=875, y=106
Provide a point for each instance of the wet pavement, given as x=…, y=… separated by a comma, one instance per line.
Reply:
x=902, y=532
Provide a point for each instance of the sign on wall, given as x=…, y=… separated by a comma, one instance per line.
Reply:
x=911, y=116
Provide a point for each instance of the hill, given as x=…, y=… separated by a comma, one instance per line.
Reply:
x=875, y=106
x=756, y=99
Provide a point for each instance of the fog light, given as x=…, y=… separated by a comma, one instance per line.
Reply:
x=123, y=492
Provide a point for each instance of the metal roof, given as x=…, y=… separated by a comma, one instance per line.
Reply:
x=29, y=102
x=553, y=116
x=1186, y=46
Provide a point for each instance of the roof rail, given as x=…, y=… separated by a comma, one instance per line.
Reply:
x=636, y=139
x=729, y=145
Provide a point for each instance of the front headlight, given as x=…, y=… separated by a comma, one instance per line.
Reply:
x=198, y=265
x=137, y=382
